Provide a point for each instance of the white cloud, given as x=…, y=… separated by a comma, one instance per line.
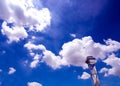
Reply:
x=52, y=60
x=104, y=70
x=22, y=13
x=11, y=70
x=15, y=33
x=73, y=35
x=31, y=46
x=48, y=57
x=84, y=76
x=114, y=62
x=111, y=46
x=34, y=84
x=42, y=19
x=74, y=52
x=36, y=57
x=34, y=63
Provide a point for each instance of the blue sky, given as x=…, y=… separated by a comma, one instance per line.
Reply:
x=46, y=42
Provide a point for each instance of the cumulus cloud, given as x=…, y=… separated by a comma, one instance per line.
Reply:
x=48, y=57
x=36, y=57
x=31, y=46
x=35, y=61
x=75, y=52
x=84, y=76
x=52, y=60
x=21, y=14
x=34, y=84
x=11, y=70
x=114, y=62
x=15, y=33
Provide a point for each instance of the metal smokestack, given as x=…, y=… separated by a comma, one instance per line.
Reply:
x=91, y=61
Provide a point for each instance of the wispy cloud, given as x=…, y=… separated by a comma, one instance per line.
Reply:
x=84, y=76
x=82, y=9
x=11, y=70
x=1, y=70
x=73, y=35
x=34, y=84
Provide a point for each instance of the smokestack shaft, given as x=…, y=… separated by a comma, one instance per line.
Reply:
x=94, y=76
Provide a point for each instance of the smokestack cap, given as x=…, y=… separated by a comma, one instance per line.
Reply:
x=90, y=60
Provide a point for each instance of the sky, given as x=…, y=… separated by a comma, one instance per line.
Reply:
x=46, y=42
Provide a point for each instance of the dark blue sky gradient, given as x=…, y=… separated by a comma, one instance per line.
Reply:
x=107, y=24
x=97, y=18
